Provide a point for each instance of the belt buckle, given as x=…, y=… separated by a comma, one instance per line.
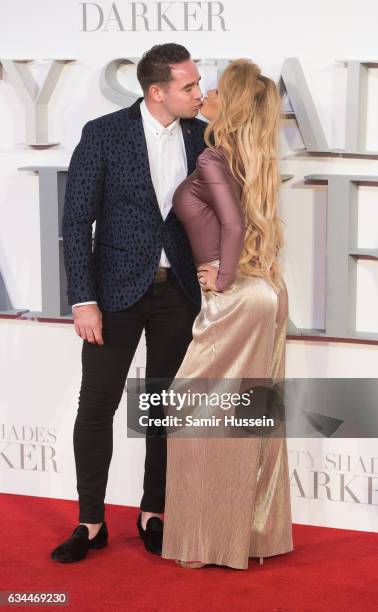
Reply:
x=161, y=275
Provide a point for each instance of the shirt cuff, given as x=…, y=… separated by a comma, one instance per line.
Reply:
x=82, y=304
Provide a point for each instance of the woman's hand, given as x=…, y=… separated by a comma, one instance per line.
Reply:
x=207, y=276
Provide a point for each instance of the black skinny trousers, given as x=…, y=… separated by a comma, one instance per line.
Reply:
x=167, y=316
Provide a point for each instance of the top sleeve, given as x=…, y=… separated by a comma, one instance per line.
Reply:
x=220, y=190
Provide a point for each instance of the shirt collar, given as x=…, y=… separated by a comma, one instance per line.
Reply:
x=153, y=124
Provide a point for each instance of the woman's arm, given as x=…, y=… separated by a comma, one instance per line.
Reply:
x=220, y=190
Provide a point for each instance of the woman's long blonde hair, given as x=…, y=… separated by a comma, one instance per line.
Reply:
x=247, y=128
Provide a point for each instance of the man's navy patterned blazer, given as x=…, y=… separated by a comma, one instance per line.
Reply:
x=109, y=182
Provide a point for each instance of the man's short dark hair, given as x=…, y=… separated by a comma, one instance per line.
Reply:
x=155, y=65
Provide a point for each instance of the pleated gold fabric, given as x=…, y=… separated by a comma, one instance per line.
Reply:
x=228, y=499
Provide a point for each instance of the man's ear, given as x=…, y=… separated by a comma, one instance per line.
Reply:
x=156, y=93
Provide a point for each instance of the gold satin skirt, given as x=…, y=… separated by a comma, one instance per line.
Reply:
x=228, y=499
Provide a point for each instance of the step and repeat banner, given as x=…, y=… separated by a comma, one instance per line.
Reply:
x=63, y=63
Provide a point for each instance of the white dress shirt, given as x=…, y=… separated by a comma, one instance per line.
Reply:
x=168, y=164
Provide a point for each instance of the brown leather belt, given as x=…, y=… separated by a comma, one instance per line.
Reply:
x=161, y=275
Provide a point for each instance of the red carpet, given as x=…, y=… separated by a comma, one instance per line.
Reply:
x=330, y=569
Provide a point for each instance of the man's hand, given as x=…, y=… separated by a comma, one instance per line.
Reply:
x=207, y=276
x=88, y=323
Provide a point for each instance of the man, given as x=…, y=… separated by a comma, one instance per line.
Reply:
x=140, y=275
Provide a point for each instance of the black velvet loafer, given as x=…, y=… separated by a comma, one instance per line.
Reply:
x=77, y=546
x=152, y=536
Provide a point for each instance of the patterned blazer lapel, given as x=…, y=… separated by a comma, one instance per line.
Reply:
x=189, y=150
x=138, y=146
x=189, y=144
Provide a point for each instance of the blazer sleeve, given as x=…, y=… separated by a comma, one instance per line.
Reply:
x=219, y=189
x=83, y=197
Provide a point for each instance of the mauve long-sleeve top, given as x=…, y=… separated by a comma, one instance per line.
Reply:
x=207, y=203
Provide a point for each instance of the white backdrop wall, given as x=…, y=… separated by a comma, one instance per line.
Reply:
x=40, y=362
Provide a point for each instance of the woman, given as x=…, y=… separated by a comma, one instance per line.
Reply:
x=227, y=499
